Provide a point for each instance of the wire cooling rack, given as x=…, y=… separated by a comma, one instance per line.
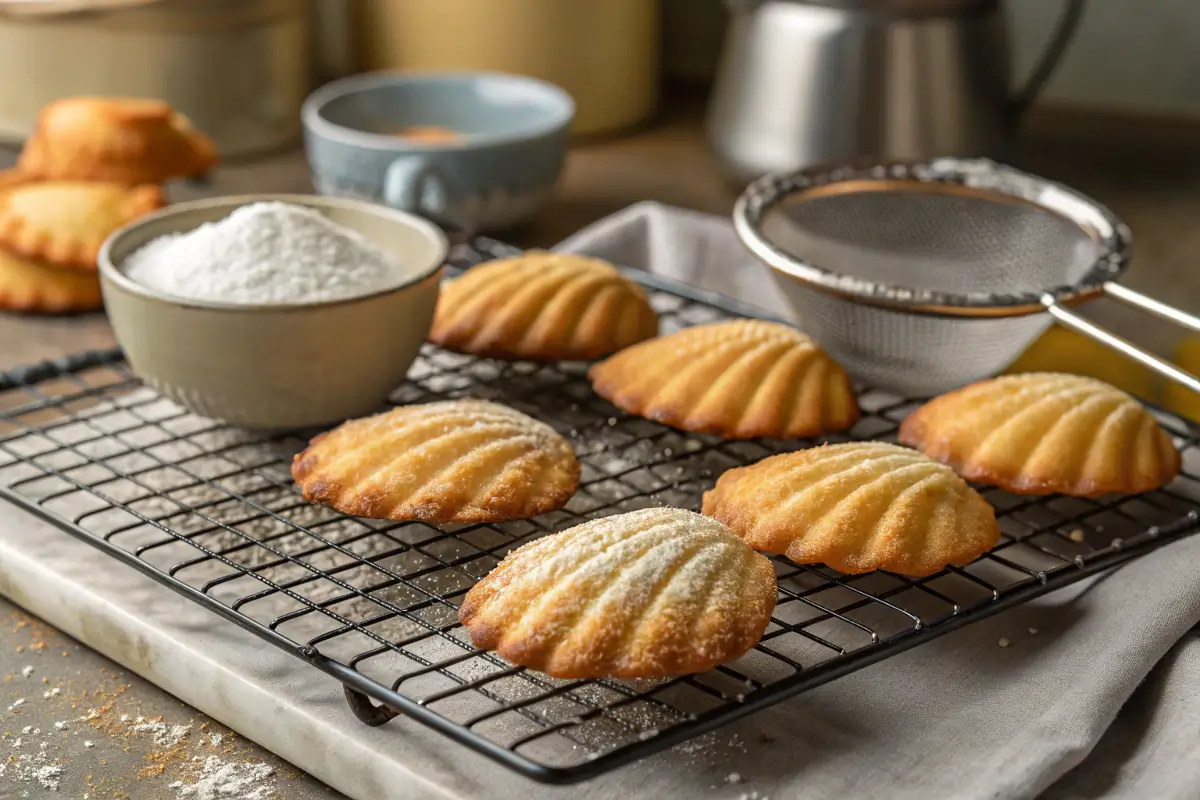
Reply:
x=211, y=512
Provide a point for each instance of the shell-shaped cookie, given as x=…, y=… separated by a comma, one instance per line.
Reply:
x=451, y=461
x=736, y=379
x=856, y=507
x=647, y=594
x=1044, y=433
x=66, y=222
x=542, y=306
x=121, y=139
x=32, y=286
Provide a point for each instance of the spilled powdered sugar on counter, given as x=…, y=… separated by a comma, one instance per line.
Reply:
x=28, y=762
x=223, y=779
x=34, y=758
x=170, y=761
x=266, y=253
x=164, y=735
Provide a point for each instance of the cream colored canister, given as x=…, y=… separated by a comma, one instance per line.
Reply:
x=239, y=69
x=604, y=52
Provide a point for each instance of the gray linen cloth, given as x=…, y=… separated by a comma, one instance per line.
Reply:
x=1102, y=700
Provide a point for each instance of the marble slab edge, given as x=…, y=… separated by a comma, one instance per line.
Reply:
x=259, y=691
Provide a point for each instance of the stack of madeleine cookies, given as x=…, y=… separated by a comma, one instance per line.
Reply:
x=92, y=165
x=666, y=591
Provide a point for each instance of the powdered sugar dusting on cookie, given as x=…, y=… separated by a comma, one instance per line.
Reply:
x=451, y=461
x=647, y=594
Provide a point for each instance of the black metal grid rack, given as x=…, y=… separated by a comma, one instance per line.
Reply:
x=210, y=511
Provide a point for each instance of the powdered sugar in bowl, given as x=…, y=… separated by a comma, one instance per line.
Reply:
x=273, y=311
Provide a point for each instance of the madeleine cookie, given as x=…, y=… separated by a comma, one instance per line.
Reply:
x=856, y=507
x=43, y=288
x=120, y=139
x=66, y=222
x=452, y=461
x=1045, y=433
x=735, y=379
x=648, y=594
x=11, y=177
x=542, y=306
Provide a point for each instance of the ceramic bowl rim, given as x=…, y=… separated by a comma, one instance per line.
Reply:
x=310, y=112
x=113, y=274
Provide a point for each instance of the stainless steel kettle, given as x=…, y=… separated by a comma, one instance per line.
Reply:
x=807, y=82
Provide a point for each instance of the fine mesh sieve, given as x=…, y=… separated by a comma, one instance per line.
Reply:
x=924, y=276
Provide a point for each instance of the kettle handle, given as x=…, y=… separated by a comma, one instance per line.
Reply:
x=1064, y=31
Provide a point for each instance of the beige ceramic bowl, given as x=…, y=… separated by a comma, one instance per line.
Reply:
x=277, y=366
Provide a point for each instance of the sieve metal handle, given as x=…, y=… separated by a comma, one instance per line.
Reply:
x=1082, y=325
x=1156, y=307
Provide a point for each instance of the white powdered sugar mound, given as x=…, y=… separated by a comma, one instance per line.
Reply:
x=30, y=766
x=265, y=253
x=165, y=735
x=222, y=780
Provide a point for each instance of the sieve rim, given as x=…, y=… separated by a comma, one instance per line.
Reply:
x=968, y=175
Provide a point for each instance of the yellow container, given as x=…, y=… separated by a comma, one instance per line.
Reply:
x=604, y=52
x=1063, y=350
x=1176, y=398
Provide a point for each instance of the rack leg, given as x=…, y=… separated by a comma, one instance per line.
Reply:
x=366, y=711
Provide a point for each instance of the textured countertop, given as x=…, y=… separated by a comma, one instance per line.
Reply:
x=1149, y=174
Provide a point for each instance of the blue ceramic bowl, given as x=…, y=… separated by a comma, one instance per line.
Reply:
x=500, y=170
